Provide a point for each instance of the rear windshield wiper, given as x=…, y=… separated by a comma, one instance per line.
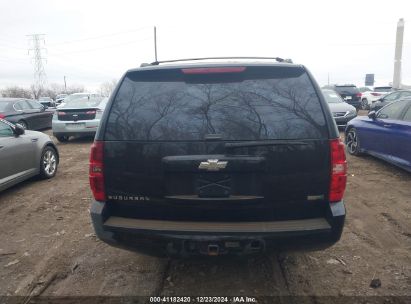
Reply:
x=264, y=143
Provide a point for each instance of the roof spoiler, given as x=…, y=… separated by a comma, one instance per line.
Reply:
x=278, y=59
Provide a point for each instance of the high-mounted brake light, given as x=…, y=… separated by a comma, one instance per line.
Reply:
x=96, y=171
x=213, y=70
x=338, y=171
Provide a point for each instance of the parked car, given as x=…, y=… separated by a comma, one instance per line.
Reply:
x=368, y=98
x=24, y=154
x=78, y=95
x=394, y=96
x=79, y=116
x=364, y=89
x=217, y=158
x=385, y=134
x=350, y=94
x=60, y=98
x=28, y=113
x=342, y=111
x=47, y=101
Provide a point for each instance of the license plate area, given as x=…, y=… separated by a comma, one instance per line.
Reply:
x=216, y=248
x=213, y=185
x=75, y=126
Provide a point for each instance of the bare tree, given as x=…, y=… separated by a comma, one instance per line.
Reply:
x=75, y=88
x=36, y=91
x=16, y=92
x=107, y=87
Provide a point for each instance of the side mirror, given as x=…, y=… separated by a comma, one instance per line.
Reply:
x=18, y=130
x=372, y=115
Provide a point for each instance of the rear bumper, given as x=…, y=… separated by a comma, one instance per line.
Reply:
x=84, y=127
x=176, y=238
x=354, y=103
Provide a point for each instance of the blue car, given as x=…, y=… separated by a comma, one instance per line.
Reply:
x=385, y=134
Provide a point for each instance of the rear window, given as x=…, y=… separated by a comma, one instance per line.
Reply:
x=256, y=104
x=331, y=96
x=346, y=90
x=83, y=102
x=382, y=89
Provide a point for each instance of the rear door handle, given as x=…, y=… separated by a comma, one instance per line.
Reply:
x=387, y=125
x=34, y=139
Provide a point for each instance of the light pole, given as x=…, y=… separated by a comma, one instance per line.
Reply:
x=398, y=54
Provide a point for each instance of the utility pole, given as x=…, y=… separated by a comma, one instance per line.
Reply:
x=65, y=85
x=328, y=79
x=40, y=78
x=398, y=54
x=155, y=43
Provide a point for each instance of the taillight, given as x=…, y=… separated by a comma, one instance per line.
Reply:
x=59, y=113
x=338, y=171
x=213, y=70
x=375, y=94
x=358, y=95
x=2, y=116
x=96, y=171
x=91, y=112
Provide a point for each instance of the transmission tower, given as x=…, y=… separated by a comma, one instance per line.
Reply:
x=37, y=42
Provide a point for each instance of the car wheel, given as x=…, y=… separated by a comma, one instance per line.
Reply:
x=62, y=138
x=353, y=143
x=364, y=104
x=23, y=124
x=48, y=163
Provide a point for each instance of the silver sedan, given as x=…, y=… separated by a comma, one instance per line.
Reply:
x=24, y=154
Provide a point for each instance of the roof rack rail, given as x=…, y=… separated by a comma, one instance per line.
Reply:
x=278, y=59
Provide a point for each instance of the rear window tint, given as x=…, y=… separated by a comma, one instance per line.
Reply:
x=257, y=104
x=382, y=89
x=346, y=90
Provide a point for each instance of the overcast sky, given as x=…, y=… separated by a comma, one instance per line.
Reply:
x=95, y=41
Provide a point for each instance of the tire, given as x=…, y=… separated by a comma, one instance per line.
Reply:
x=48, y=163
x=62, y=138
x=23, y=124
x=364, y=104
x=353, y=142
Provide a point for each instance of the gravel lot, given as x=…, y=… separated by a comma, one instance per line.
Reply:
x=47, y=245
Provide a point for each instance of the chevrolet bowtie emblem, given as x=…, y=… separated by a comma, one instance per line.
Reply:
x=212, y=165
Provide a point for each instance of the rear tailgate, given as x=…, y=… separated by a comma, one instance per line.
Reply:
x=237, y=145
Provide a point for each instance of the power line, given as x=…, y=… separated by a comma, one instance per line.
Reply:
x=99, y=37
x=40, y=77
x=104, y=47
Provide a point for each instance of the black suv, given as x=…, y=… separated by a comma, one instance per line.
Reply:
x=350, y=93
x=217, y=158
